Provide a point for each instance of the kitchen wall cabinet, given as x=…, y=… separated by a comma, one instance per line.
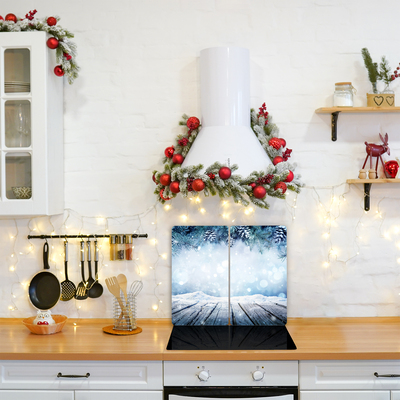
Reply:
x=31, y=127
x=356, y=380
x=100, y=380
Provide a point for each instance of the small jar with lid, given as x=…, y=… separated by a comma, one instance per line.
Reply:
x=343, y=95
x=128, y=247
x=113, y=247
x=120, y=247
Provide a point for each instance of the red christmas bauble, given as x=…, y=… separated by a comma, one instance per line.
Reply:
x=1, y=18
x=169, y=151
x=275, y=143
x=67, y=56
x=198, y=185
x=391, y=168
x=283, y=142
x=165, y=179
x=11, y=17
x=281, y=185
x=277, y=160
x=193, y=123
x=51, y=21
x=161, y=195
x=52, y=43
x=253, y=185
x=289, y=177
x=259, y=192
x=174, y=187
x=154, y=179
x=58, y=70
x=177, y=159
x=225, y=173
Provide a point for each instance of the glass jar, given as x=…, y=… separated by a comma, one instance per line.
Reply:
x=128, y=247
x=120, y=247
x=343, y=95
x=113, y=247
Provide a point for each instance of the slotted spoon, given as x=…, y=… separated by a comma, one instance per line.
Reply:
x=68, y=288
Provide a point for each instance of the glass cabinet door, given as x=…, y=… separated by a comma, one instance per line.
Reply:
x=16, y=132
x=31, y=126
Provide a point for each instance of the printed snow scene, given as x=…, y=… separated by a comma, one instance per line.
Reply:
x=258, y=275
x=200, y=275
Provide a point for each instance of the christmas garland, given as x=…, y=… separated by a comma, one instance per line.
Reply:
x=218, y=178
x=65, y=48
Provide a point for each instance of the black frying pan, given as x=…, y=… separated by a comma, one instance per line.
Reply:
x=45, y=288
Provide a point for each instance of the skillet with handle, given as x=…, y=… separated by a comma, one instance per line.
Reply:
x=44, y=288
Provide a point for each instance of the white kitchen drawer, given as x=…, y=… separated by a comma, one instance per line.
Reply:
x=231, y=373
x=35, y=395
x=121, y=375
x=118, y=395
x=348, y=375
x=345, y=395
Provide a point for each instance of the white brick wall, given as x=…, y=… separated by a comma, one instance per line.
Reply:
x=139, y=74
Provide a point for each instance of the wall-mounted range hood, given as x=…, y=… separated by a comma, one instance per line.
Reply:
x=225, y=106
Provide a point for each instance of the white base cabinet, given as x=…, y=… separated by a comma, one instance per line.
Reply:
x=35, y=395
x=83, y=380
x=345, y=380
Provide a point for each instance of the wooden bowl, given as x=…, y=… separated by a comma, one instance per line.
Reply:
x=60, y=321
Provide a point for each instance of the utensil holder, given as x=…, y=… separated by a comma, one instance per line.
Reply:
x=125, y=317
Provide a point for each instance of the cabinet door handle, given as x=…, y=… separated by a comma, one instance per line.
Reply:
x=386, y=376
x=60, y=375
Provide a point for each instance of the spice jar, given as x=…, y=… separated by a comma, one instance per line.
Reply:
x=343, y=95
x=113, y=247
x=120, y=247
x=128, y=247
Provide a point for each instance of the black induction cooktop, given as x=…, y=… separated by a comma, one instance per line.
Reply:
x=230, y=338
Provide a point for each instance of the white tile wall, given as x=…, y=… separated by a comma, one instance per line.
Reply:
x=139, y=74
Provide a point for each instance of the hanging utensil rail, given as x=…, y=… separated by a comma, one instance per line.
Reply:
x=134, y=236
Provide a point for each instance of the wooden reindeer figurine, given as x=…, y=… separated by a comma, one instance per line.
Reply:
x=376, y=150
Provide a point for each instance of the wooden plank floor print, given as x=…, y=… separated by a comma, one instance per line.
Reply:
x=202, y=312
x=258, y=314
x=205, y=312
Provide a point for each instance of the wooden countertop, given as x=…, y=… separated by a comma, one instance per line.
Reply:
x=315, y=338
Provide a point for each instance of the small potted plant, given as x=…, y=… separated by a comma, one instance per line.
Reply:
x=377, y=73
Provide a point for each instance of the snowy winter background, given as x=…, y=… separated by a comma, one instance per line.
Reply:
x=258, y=275
x=200, y=275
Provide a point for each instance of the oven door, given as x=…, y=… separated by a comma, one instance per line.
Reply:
x=230, y=392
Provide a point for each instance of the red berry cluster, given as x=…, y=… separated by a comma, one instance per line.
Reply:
x=265, y=179
x=30, y=15
x=263, y=113
x=183, y=142
x=211, y=175
x=286, y=154
x=396, y=73
x=189, y=184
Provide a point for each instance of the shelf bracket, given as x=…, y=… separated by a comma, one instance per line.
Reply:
x=335, y=117
x=367, y=190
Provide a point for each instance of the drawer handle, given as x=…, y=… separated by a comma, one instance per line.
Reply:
x=386, y=376
x=60, y=375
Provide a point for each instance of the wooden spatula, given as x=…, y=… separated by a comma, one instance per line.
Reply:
x=115, y=290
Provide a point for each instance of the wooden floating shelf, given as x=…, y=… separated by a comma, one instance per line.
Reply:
x=330, y=110
x=335, y=111
x=367, y=187
x=379, y=180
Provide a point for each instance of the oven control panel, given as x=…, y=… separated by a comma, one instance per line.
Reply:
x=230, y=373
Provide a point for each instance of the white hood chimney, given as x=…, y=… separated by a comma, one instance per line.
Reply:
x=226, y=135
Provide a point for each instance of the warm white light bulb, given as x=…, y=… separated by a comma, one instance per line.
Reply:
x=155, y=307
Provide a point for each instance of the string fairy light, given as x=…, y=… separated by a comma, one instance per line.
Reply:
x=329, y=213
